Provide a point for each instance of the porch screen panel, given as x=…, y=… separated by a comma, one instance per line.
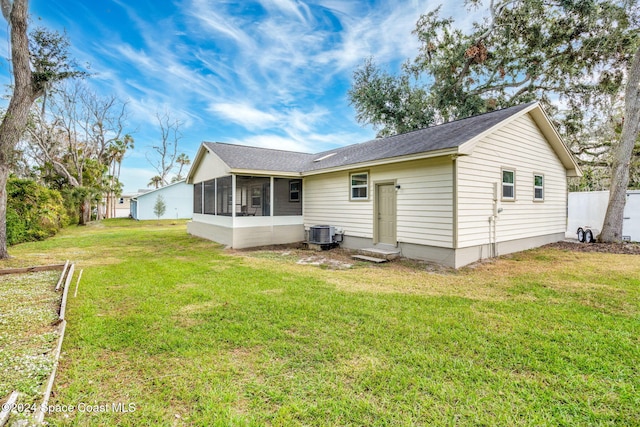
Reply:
x=197, y=198
x=253, y=195
x=287, y=197
x=209, y=197
x=225, y=196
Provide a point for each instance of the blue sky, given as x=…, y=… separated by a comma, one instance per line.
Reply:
x=269, y=73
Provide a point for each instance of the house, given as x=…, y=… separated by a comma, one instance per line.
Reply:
x=120, y=208
x=177, y=197
x=123, y=205
x=453, y=194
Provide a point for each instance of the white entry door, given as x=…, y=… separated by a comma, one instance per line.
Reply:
x=386, y=213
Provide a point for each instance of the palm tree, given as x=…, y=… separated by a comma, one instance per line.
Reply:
x=183, y=160
x=156, y=182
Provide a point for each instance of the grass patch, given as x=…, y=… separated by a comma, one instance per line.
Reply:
x=193, y=335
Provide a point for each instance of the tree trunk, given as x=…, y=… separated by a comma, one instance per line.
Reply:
x=623, y=153
x=15, y=120
x=85, y=212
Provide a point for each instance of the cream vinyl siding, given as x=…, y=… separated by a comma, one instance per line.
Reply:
x=210, y=167
x=521, y=147
x=424, y=201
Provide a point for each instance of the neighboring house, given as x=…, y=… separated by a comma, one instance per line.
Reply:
x=588, y=209
x=120, y=210
x=454, y=193
x=178, y=200
x=123, y=205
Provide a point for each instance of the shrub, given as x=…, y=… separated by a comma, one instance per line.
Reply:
x=34, y=212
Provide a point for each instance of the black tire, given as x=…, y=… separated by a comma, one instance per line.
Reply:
x=580, y=235
x=588, y=237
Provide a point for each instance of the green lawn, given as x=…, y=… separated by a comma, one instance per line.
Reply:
x=190, y=335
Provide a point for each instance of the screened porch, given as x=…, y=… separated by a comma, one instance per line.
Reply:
x=248, y=196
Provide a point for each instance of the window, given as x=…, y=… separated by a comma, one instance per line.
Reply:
x=287, y=197
x=538, y=187
x=294, y=191
x=508, y=185
x=256, y=197
x=360, y=186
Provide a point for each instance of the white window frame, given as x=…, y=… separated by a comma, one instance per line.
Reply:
x=365, y=185
x=508, y=184
x=293, y=191
x=257, y=196
x=538, y=187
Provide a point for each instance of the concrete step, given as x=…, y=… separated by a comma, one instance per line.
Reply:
x=369, y=258
x=387, y=253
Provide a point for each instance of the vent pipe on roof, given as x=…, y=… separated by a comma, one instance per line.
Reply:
x=325, y=157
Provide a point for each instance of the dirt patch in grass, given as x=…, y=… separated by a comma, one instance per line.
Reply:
x=334, y=259
x=609, y=248
x=28, y=332
x=561, y=269
x=325, y=262
x=340, y=259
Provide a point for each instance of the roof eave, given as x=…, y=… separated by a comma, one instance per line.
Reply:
x=385, y=161
x=255, y=172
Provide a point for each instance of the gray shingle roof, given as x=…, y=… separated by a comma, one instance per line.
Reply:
x=262, y=159
x=445, y=136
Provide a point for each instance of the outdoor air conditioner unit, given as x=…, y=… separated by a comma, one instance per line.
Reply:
x=321, y=234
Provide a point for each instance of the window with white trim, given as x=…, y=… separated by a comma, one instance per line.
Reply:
x=256, y=197
x=508, y=184
x=538, y=187
x=360, y=186
x=294, y=190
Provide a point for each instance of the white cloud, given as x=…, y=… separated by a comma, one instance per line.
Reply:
x=289, y=7
x=226, y=25
x=290, y=121
x=384, y=32
x=305, y=121
x=245, y=115
x=306, y=143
